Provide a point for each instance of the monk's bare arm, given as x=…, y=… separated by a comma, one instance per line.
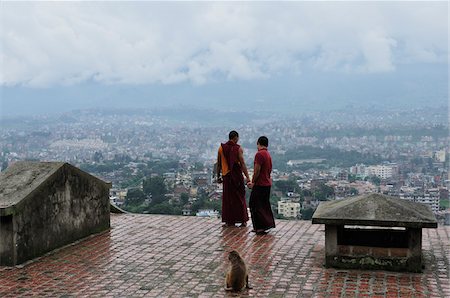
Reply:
x=242, y=161
x=219, y=165
x=256, y=172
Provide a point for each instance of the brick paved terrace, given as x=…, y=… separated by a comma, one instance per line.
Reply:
x=161, y=256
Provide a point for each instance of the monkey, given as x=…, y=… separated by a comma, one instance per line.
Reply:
x=237, y=276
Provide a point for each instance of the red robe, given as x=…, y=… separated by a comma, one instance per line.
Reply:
x=234, y=207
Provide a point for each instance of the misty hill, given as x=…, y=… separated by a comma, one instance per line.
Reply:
x=407, y=87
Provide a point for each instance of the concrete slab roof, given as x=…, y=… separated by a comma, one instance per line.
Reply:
x=20, y=179
x=23, y=177
x=375, y=210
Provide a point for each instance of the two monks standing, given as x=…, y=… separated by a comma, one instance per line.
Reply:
x=230, y=162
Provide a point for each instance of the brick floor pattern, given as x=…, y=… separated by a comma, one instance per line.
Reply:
x=174, y=256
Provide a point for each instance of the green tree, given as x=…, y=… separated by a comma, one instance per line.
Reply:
x=4, y=165
x=135, y=197
x=214, y=205
x=279, y=216
x=322, y=192
x=135, y=209
x=307, y=213
x=184, y=198
x=155, y=187
x=197, y=205
x=162, y=166
x=286, y=185
x=306, y=193
x=198, y=166
x=164, y=208
x=375, y=180
x=351, y=178
x=98, y=156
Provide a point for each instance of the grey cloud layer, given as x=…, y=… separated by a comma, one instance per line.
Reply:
x=45, y=44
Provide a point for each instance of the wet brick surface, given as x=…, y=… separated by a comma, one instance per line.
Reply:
x=174, y=256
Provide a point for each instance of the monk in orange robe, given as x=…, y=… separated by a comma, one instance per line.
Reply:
x=230, y=162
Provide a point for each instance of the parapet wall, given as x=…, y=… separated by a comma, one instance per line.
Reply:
x=70, y=204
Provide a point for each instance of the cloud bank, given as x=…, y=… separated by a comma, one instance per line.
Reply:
x=47, y=44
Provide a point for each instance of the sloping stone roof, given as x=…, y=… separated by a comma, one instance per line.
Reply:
x=23, y=177
x=375, y=210
x=20, y=179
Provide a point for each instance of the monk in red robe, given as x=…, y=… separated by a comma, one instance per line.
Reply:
x=262, y=216
x=230, y=162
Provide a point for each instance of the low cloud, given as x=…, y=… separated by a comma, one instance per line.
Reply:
x=46, y=44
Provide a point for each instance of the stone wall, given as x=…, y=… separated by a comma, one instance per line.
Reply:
x=6, y=240
x=67, y=206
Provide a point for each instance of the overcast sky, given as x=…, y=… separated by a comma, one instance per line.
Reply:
x=141, y=43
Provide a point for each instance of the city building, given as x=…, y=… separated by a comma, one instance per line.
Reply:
x=439, y=156
x=288, y=209
x=384, y=171
x=427, y=199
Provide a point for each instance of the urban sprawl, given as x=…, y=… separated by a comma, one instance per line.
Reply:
x=160, y=164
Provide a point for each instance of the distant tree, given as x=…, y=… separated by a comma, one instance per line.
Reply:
x=164, y=208
x=286, y=185
x=306, y=193
x=162, y=166
x=123, y=158
x=198, y=166
x=417, y=161
x=184, y=198
x=274, y=202
x=430, y=163
x=135, y=209
x=332, y=156
x=307, y=213
x=214, y=205
x=97, y=157
x=4, y=165
x=375, y=180
x=135, y=197
x=279, y=216
x=155, y=187
x=322, y=192
x=351, y=178
x=197, y=205
x=105, y=167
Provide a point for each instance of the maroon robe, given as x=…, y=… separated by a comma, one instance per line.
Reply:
x=262, y=216
x=234, y=207
x=260, y=209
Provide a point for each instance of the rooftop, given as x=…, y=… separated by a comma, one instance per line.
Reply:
x=160, y=256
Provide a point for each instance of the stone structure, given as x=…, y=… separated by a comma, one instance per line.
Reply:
x=374, y=231
x=45, y=205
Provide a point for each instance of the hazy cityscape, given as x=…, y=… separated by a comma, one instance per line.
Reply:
x=162, y=161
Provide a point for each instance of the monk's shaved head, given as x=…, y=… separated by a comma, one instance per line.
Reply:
x=233, y=134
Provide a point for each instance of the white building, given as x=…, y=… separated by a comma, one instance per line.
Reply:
x=384, y=171
x=288, y=208
x=432, y=201
x=439, y=156
x=208, y=213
